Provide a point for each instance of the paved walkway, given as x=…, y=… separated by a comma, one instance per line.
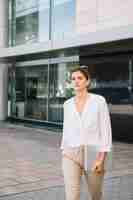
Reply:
x=30, y=166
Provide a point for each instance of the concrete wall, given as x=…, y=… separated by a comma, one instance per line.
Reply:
x=85, y=16
x=97, y=15
x=3, y=23
x=3, y=91
x=3, y=66
x=114, y=13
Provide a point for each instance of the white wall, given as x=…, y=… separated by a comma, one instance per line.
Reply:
x=85, y=16
x=94, y=15
x=114, y=13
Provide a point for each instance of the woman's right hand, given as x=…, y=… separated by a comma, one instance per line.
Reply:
x=98, y=167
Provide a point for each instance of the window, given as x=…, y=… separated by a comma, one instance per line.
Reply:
x=30, y=20
x=63, y=17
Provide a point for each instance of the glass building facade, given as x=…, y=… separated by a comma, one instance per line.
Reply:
x=38, y=88
x=113, y=79
x=40, y=20
x=39, y=82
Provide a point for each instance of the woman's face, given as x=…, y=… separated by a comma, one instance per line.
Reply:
x=79, y=81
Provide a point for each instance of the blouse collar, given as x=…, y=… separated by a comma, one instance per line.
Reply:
x=85, y=108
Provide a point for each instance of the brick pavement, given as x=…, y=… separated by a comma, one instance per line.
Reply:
x=30, y=165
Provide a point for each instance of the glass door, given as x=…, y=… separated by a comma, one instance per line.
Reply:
x=30, y=92
x=36, y=92
x=56, y=94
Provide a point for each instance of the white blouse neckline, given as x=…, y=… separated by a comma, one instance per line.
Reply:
x=88, y=100
x=94, y=124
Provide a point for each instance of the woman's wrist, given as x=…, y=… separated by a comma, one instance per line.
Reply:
x=101, y=156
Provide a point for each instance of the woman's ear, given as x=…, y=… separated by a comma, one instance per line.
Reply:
x=88, y=83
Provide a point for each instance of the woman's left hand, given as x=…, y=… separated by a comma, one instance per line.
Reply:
x=98, y=167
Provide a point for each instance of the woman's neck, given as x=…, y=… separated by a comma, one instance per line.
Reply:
x=81, y=95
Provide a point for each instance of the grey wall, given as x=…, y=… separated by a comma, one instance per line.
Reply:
x=3, y=66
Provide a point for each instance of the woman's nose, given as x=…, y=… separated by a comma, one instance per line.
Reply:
x=76, y=82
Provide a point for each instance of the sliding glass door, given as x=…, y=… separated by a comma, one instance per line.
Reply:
x=30, y=97
x=36, y=89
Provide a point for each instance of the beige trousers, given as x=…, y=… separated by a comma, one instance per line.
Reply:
x=72, y=177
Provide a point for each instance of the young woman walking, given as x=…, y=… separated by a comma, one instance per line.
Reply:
x=86, y=129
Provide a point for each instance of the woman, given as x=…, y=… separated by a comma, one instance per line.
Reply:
x=86, y=126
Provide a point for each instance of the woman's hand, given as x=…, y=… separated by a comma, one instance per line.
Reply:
x=98, y=166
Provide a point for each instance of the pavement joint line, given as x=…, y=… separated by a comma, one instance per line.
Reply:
x=13, y=179
x=12, y=126
x=50, y=187
x=12, y=187
x=43, y=189
x=27, y=182
x=19, y=183
x=117, y=176
x=35, y=190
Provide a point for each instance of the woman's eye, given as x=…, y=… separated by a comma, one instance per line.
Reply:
x=78, y=78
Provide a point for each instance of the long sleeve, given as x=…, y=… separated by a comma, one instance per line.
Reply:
x=105, y=128
x=64, y=127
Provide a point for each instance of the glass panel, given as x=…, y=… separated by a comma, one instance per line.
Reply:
x=113, y=80
x=9, y=90
x=10, y=23
x=30, y=21
x=20, y=93
x=43, y=20
x=12, y=92
x=36, y=92
x=27, y=28
x=59, y=89
x=63, y=17
x=31, y=89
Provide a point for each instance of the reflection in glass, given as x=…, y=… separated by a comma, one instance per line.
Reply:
x=31, y=91
x=27, y=28
x=43, y=20
x=40, y=20
x=59, y=89
x=38, y=92
x=114, y=81
x=63, y=17
x=30, y=21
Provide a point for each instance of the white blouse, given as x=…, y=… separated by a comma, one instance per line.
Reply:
x=92, y=128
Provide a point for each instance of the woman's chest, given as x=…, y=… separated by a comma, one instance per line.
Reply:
x=87, y=118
